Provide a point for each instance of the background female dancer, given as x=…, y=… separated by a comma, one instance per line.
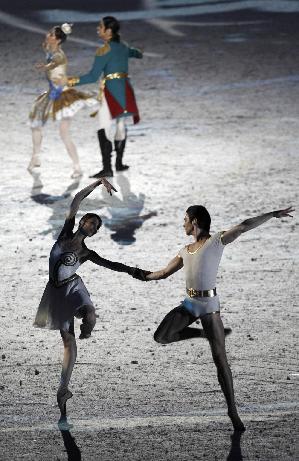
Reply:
x=65, y=295
x=117, y=99
x=59, y=102
x=201, y=260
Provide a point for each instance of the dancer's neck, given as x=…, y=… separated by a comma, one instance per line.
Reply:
x=53, y=48
x=202, y=235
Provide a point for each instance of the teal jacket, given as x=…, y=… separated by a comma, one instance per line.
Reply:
x=110, y=58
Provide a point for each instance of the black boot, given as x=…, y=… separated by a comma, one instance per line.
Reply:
x=106, y=150
x=119, y=149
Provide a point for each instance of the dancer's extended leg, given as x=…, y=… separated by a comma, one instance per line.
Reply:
x=69, y=359
x=174, y=327
x=37, y=137
x=64, y=130
x=213, y=327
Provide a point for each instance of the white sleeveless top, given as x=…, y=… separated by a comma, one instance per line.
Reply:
x=201, y=269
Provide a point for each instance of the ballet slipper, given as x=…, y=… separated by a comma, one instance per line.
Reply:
x=62, y=396
x=77, y=172
x=34, y=163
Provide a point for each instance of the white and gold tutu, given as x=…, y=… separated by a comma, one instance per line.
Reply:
x=59, y=101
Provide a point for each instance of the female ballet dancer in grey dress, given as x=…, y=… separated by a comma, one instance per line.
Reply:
x=65, y=295
x=201, y=260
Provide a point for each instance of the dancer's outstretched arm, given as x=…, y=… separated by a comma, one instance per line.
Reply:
x=235, y=232
x=115, y=266
x=56, y=60
x=82, y=194
x=173, y=266
x=100, y=60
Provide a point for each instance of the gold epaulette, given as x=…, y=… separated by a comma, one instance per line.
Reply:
x=104, y=49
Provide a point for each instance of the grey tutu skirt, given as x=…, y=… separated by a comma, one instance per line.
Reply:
x=59, y=305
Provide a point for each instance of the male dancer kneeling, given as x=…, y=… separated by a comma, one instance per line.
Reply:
x=201, y=260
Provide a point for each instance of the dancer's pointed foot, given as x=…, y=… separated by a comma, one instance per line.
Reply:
x=85, y=332
x=77, y=172
x=63, y=395
x=236, y=421
x=227, y=331
x=34, y=163
x=84, y=335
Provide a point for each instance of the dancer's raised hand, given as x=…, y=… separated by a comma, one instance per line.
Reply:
x=108, y=186
x=283, y=213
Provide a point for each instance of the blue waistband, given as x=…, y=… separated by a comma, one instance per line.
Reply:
x=55, y=91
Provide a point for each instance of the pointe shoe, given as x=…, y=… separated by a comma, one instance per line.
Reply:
x=77, y=173
x=34, y=163
x=62, y=396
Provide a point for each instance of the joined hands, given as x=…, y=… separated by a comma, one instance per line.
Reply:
x=138, y=273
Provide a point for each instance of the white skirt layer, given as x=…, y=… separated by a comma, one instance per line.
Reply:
x=65, y=106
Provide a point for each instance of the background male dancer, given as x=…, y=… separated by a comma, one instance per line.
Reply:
x=65, y=295
x=116, y=93
x=201, y=261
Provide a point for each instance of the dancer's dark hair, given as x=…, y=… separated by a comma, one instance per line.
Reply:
x=59, y=34
x=201, y=214
x=112, y=23
x=92, y=215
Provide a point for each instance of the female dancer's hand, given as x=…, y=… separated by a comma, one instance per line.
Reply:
x=283, y=213
x=40, y=66
x=107, y=185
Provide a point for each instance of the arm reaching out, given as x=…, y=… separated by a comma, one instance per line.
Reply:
x=100, y=60
x=235, y=232
x=173, y=266
x=82, y=194
x=135, y=272
x=56, y=60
